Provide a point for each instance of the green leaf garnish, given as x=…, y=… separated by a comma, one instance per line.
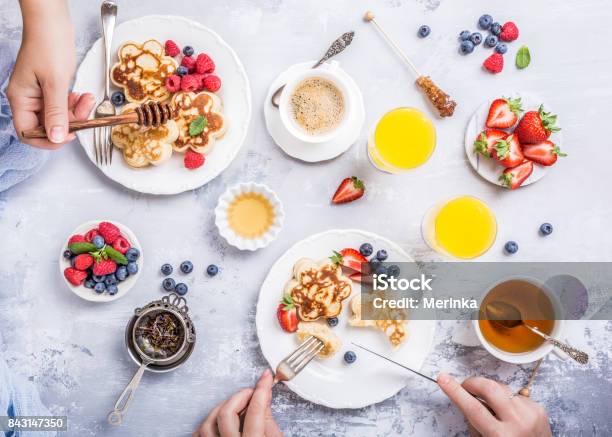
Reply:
x=115, y=255
x=196, y=127
x=81, y=247
x=523, y=57
x=336, y=258
x=287, y=300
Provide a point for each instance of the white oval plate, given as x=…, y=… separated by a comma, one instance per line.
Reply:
x=332, y=382
x=172, y=177
x=488, y=168
x=306, y=151
x=88, y=293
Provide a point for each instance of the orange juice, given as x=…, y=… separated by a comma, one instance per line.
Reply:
x=403, y=138
x=250, y=215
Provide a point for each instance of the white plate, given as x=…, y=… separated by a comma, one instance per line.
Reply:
x=487, y=167
x=88, y=293
x=171, y=177
x=332, y=382
x=307, y=151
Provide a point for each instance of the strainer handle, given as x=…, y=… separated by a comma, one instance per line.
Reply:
x=115, y=417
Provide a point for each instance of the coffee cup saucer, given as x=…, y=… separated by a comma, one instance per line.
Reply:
x=311, y=152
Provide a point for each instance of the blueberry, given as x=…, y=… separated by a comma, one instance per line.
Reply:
x=112, y=289
x=67, y=254
x=374, y=264
x=98, y=241
x=111, y=279
x=332, y=321
x=182, y=70
x=381, y=270
x=118, y=98
x=72, y=261
x=168, y=284
x=381, y=255
x=97, y=278
x=393, y=271
x=424, y=31
x=186, y=267
x=491, y=41
x=181, y=288
x=132, y=254
x=366, y=249
x=188, y=50
x=121, y=274
x=466, y=47
x=212, y=270
x=89, y=283
x=496, y=28
x=485, y=21
x=132, y=268
x=464, y=35
x=511, y=247
x=546, y=228
x=350, y=357
x=501, y=48
x=166, y=269
x=476, y=38
x=100, y=288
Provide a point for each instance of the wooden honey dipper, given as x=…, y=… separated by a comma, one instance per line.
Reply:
x=148, y=114
x=441, y=101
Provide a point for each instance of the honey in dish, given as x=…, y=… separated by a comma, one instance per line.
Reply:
x=536, y=310
x=250, y=215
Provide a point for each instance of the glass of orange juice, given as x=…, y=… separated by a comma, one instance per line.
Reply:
x=402, y=139
x=463, y=227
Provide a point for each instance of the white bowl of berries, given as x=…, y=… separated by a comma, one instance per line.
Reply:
x=101, y=260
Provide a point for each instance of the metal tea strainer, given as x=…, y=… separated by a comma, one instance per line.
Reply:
x=159, y=337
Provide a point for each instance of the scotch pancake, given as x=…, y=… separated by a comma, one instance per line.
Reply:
x=320, y=330
x=394, y=328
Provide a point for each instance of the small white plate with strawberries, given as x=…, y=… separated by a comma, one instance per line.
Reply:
x=512, y=141
x=101, y=260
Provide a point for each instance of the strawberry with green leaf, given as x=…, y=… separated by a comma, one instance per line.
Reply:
x=536, y=126
x=286, y=314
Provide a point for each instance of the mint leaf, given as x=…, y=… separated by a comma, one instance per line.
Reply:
x=115, y=255
x=196, y=127
x=81, y=247
x=523, y=58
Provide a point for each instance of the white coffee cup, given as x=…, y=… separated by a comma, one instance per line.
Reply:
x=532, y=355
x=328, y=73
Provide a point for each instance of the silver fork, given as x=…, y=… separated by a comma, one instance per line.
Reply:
x=103, y=146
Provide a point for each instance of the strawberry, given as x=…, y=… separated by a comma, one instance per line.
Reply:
x=515, y=176
x=76, y=239
x=193, y=160
x=361, y=278
x=509, y=32
x=287, y=314
x=350, y=258
x=544, y=153
x=109, y=232
x=121, y=245
x=74, y=276
x=536, y=126
x=494, y=63
x=504, y=112
x=104, y=267
x=508, y=152
x=83, y=261
x=90, y=235
x=486, y=140
x=350, y=189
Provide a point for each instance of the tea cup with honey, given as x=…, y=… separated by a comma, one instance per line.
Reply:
x=538, y=307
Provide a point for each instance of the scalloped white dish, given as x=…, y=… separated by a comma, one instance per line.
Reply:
x=222, y=221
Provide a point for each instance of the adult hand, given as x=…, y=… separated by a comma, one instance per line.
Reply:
x=38, y=88
x=223, y=420
x=511, y=416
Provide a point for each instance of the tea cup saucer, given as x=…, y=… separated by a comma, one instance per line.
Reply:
x=310, y=152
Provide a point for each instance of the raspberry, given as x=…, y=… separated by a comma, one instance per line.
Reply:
x=212, y=83
x=509, y=32
x=173, y=83
x=76, y=239
x=74, y=276
x=109, y=232
x=189, y=63
x=494, y=63
x=171, y=48
x=90, y=235
x=104, y=267
x=193, y=160
x=204, y=64
x=121, y=245
x=190, y=82
x=83, y=261
x=200, y=79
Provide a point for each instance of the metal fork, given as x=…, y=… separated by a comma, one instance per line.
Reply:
x=103, y=146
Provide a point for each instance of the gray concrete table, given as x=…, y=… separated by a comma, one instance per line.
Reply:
x=73, y=350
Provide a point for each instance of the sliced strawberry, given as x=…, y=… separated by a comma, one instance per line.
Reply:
x=504, y=112
x=514, y=177
x=508, y=152
x=287, y=314
x=544, y=153
x=350, y=189
x=486, y=140
x=361, y=278
x=350, y=258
